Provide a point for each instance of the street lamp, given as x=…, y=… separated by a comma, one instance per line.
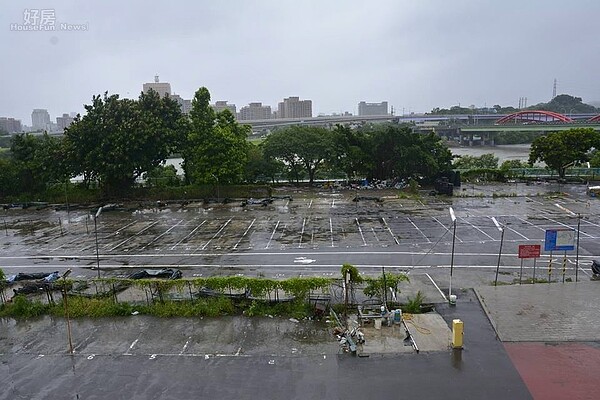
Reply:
x=96, y=234
x=217, y=179
x=578, y=215
x=64, y=278
x=499, y=251
x=453, y=217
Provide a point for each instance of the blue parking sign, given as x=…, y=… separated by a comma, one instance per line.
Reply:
x=559, y=239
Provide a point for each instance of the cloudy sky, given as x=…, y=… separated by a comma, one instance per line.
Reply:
x=416, y=54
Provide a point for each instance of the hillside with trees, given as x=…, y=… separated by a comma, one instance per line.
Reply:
x=566, y=104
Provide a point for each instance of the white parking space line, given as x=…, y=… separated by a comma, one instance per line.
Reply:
x=390, y=231
x=532, y=224
x=361, y=232
x=418, y=230
x=476, y=227
x=310, y=204
x=446, y=228
x=333, y=203
x=589, y=223
x=107, y=236
x=568, y=226
x=118, y=230
x=185, y=346
x=216, y=234
x=128, y=352
x=518, y=233
x=161, y=235
x=437, y=287
x=77, y=239
x=272, y=234
x=188, y=235
x=331, y=230
x=134, y=235
x=247, y=229
x=302, y=232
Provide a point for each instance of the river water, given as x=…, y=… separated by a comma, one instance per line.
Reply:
x=503, y=152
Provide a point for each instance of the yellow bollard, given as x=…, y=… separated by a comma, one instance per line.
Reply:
x=457, y=334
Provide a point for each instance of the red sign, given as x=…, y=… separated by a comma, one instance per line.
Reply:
x=529, y=250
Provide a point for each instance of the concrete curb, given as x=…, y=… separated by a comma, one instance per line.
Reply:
x=487, y=312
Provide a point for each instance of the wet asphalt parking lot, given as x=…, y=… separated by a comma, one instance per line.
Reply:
x=312, y=234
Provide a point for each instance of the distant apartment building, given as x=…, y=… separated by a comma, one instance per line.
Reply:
x=222, y=105
x=293, y=107
x=10, y=125
x=162, y=88
x=63, y=122
x=254, y=111
x=186, y=105
x=373, y=108
x=40, y=120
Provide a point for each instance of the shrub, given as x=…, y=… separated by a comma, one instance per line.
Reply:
x=413, y=306
x=22, y=307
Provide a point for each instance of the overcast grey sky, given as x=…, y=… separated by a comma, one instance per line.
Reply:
x=415, y=54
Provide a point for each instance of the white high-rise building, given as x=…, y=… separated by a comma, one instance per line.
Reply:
x=40, y=119
x=162, y=88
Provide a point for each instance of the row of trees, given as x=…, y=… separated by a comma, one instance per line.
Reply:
x=119, y=140
x=563, y=103
x=373, y=152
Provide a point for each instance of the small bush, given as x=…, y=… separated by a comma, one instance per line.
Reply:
x=22, y=307
x=413, y=306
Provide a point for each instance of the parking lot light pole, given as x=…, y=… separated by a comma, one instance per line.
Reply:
x=64, y=278
x=499, y=251
x=217, y=179
x=96, y=234
x=453, y=217
x=578, y=215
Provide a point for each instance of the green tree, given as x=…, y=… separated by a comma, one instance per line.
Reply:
x=595, y=158
x=120, y=139
x=484, y=161
x=216, y=147
x=38, y=161
x=300, y=147
x=259, y=167
x=559, y=150
x=396, y=152
x=510, y=164
x=162, y=176
x=349, y=153
x=10, y=181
